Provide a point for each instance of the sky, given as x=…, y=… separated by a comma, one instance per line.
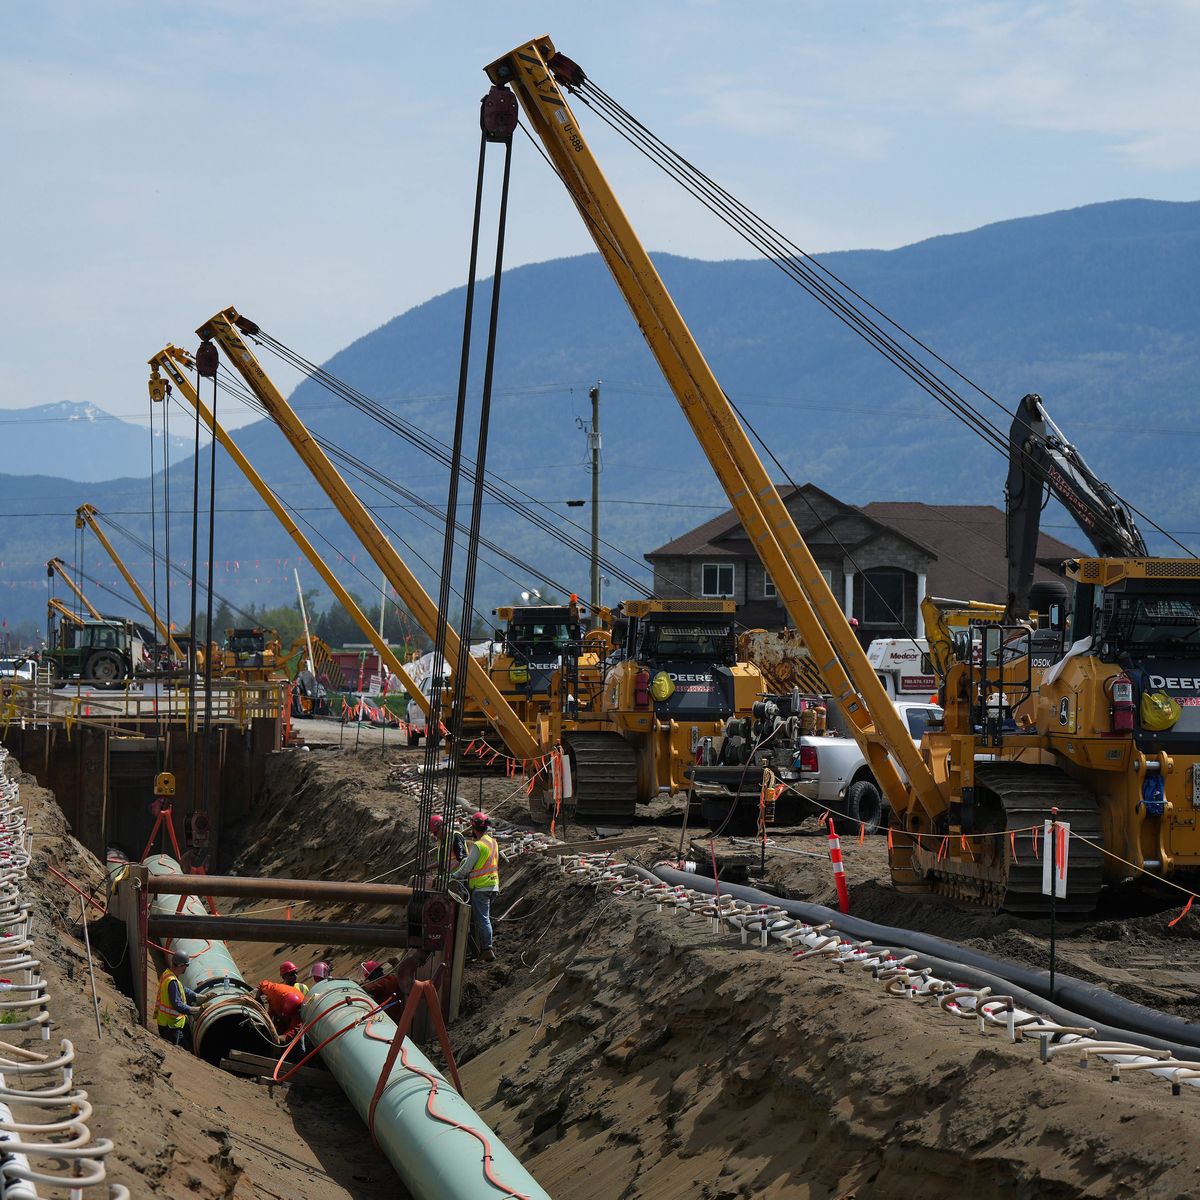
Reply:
x=312, y=162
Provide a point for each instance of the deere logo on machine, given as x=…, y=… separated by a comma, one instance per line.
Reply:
x=662, y=687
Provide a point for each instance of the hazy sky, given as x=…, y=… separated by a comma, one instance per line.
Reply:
x=312, y=162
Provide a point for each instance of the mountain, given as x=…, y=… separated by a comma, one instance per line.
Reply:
x=1095, y=308
x=79, y=441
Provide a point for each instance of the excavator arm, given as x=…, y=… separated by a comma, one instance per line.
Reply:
x=1040, y=458
x=85, y=518
x=169, y=369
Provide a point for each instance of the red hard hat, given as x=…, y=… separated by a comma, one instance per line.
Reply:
x=435, y=823
x=479, y=820
x=369, y=966
x=288, y=968
x=289, y=1006
x=320, y=970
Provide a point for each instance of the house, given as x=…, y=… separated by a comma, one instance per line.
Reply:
x=902, y=550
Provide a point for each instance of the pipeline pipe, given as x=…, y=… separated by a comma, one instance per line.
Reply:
x=283, y=889
x=232, y=1018
x=453, y=1156
x=1073, y=1000
x=198, y=925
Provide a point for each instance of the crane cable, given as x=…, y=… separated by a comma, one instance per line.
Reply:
x=434, y=724
x=820, y=282
x=515, y=498
x=504, y=136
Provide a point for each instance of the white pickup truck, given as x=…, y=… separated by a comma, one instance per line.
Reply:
x=823, y=771
x=831, y=772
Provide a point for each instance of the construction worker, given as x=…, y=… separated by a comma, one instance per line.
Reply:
x=451, y=845
x=481, y=870
x=319, y=971
x=283, y=1003
x=290, y=974
x=175, y=1002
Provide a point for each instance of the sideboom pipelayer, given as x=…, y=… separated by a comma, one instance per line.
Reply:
x=1008, y=753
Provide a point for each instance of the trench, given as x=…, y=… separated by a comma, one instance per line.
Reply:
x=622, y=1052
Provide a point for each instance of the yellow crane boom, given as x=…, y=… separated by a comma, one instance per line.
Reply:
x=530, y=71
x=225, y=329
x=85, y=518
x=168, y=369
x=56, y=606
x=57, y=566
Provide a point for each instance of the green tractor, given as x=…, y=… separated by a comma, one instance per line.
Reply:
x=104, y=652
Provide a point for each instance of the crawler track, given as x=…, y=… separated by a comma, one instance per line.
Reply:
x=604, y=770
x=1013, y=881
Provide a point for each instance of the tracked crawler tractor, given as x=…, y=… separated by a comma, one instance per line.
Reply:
x=673, y=683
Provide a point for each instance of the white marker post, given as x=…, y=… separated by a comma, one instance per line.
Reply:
x=1054, y=874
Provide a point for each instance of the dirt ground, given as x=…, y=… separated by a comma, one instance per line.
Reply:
x=622, y=1052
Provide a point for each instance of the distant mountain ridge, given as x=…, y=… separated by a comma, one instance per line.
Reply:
x=1096, y=308
x=78, y=440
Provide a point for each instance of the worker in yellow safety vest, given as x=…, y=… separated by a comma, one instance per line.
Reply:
x=290, y=974
x=175, y=1002
x=481, y=870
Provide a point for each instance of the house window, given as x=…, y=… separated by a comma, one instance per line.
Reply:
x=769, y=592
x=883, y=598
x=717, y=580
x=827, y=575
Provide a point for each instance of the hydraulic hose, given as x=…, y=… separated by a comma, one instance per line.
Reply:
x=1073, y=1001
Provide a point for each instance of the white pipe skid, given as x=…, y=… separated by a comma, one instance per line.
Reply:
x=763, y=924
x=68, y=1157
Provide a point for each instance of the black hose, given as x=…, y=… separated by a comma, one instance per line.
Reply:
x=1082, y=1003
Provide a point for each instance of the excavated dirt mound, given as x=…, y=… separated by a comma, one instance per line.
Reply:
x=621, y=1052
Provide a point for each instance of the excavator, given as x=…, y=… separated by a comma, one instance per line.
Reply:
x=1109, y=744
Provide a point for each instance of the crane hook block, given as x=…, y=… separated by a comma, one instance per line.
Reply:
x=498, y=115
x=207, y=359
x=164, y=784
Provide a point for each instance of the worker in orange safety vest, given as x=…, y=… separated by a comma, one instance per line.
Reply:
x=283, y=1003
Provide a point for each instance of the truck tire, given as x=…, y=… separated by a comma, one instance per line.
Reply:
x=106, y=668
x=864, y=806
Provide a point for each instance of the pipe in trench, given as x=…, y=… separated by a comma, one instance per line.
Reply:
x=232, y=1019
x=435, y=1160
x=1109, y=1014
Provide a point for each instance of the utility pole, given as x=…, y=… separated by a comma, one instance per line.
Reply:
x=594, y=446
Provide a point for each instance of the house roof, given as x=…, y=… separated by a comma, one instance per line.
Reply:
x=966, y=542
x=969, y=542
x=721, y=535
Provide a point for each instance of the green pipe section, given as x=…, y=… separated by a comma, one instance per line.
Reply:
x=435, y=1160
x=232, y=1019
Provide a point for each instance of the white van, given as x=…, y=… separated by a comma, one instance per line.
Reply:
x=897, y=662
